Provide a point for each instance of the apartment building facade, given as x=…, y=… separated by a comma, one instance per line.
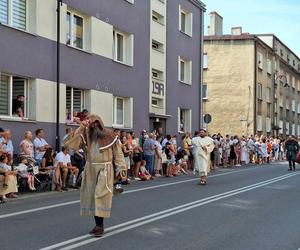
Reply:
x=251, y=83
x=132, y=62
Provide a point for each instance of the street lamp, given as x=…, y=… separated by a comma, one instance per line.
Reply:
x=57, y=137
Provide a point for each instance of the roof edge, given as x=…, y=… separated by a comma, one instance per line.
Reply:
x=199, y=4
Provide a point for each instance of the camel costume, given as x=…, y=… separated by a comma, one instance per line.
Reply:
x=105, y=162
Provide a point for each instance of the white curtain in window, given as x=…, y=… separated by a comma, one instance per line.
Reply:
x=4, y=11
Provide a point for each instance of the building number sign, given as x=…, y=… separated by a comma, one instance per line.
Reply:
x=158, y=88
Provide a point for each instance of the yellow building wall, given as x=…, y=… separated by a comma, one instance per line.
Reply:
x=230, y=82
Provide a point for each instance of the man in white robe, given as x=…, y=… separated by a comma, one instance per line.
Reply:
x=203, y=146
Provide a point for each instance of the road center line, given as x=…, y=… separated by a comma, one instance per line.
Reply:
x=163, y=214
x=126, y=192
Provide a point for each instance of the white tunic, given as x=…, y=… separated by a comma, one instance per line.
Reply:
x=202, y=156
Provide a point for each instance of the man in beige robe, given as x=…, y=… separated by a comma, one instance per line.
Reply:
x=105, y=163
x=203, y=146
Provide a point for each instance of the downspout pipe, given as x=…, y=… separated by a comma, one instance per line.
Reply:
x=255, y=89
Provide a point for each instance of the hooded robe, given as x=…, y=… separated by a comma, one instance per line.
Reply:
x=105, y=162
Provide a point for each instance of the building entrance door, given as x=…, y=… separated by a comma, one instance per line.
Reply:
x=156, y=123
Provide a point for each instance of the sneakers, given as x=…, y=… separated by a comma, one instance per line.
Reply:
x=137, y=179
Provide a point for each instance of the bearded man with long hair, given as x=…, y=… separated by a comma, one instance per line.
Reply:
x=105, y=164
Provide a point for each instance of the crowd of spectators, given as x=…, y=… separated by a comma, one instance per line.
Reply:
x=148, y=156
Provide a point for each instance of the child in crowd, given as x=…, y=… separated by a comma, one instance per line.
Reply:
x=6, y=168
x=22, y=169
x=144, y=174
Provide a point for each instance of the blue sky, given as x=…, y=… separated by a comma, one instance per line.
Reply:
x=279, y=17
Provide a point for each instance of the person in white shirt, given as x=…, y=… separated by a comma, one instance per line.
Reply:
x=63, y=160
x=40, y=145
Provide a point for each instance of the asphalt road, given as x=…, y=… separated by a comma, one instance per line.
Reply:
x=254, y=207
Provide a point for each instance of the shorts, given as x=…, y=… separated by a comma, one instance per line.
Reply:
x=137, y=157
x=127, y=161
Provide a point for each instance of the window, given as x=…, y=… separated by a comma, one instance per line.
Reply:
x=119, y=47
x=156, y=17
x=204, y=92
x=259, y=107
x=119, y=111
x=185, y=21
x=269, y=67
x=268, y=95
x=287, y=128
x=13, y=13
x=205, y=61
x=157, y=102
x=123, y=47
x=122, y=112
x=259, y=123
x=293, y=82
x=260, y=59
x=157, y=46
x=74, y=30
x=281, y=113
x=268, y=125
x=293, y=105
x=157, y=74
x=184, y=120
x=287, y=103
x=268, y=109
x=75, y=102
x=184, y=70
x=259, y=91
x=13, y=94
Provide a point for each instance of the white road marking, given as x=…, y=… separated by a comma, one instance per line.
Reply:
x=126, y=192
x=163, y=214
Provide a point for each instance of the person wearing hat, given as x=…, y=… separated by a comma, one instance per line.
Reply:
x=203, y=146
x=105, y=165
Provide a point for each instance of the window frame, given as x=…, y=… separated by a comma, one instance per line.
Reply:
x=115, y=124
x=82, y=101
x=206, y=92
x=179, y=120
x=188, y=29
x=72, y=13
x=10, y=97
x=260, y=60
x=10, y=15
x=259, y=91
x=188, y=70
x=116, y=33
x=205, y=61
